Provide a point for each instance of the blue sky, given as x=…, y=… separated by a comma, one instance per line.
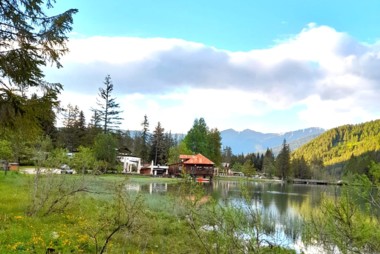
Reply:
x=271, y=66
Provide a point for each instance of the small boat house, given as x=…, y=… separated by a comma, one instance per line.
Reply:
x=197, y=166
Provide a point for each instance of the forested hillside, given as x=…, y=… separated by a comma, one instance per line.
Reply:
x=346, y=143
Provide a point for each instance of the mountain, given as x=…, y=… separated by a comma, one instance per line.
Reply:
x=249, y=141
x=343, y=144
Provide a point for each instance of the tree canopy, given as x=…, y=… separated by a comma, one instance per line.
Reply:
x=30, y=39
x=200, y=139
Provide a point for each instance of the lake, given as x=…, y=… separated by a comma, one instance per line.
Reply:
x=282, y=205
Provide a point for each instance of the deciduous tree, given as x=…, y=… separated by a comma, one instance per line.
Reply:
x=105, y=149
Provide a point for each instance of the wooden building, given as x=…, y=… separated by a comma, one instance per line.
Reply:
x=197, y=166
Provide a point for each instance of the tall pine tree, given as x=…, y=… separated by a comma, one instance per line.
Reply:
x=108, y=112
x=144, y=152
x=157, y=153
x=283, y=161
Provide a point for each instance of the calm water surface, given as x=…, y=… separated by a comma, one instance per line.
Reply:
x=285, y=205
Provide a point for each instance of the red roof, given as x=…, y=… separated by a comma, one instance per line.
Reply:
x=197, y=159
x=185, y=156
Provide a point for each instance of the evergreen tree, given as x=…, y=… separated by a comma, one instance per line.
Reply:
x=157, y=153
x=67, y=135
x=317, y=168
x=227, y=154
x=125, y=141
x=109, y=114
x=95, y=119
x=258, y=161
x=214, y=145
x=80, y=127
x=283, y=161
x=269, y=166
x=169, y=142
x=144, y=152
x=72, y=135
x=300, y=168
x=29, y=41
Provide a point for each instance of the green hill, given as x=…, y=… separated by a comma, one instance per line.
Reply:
x=343, y=144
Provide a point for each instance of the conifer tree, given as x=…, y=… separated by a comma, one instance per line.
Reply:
x=269, y=166
x=30, y=40
x=108, y=112
x=283, y=161
x=157, y=153
x=144, y=139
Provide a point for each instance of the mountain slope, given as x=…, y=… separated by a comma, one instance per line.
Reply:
x=340, y=144
x=249, y=141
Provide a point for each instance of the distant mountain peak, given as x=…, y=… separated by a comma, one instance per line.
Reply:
x=250, y=141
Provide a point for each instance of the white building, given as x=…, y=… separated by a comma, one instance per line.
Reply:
x=130, y=164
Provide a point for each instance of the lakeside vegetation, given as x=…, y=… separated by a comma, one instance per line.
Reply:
x=94, y=213
x=105, y=218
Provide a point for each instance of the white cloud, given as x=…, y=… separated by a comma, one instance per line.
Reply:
x=333, y=77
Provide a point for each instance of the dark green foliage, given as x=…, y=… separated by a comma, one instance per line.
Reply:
x=283, y=162
x=29, y=40
x=269, y=166
x=144, y=140
x=158, y=152
x=301, y=169
x=105, y=150
x=72, y=135
x=196, y=138
x=214, y=146
x=200, y=139
x=227, y=154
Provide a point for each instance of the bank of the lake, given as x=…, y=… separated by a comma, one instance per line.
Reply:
x=155, y=214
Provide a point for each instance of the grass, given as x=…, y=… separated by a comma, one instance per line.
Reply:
x=158, y=225
x=73, y=230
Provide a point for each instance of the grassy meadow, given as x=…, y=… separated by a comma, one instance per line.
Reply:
x=88, y=218
x=98, y=214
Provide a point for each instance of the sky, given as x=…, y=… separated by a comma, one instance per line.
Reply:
x=265, y=65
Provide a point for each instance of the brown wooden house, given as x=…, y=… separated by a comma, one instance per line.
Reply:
x=197, y=166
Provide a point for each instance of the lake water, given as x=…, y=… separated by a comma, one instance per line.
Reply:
x=282, y=204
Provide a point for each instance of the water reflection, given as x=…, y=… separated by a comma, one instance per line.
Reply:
x=284, y=206
x=276, y=198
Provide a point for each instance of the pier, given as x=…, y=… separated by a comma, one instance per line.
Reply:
x=314, y=181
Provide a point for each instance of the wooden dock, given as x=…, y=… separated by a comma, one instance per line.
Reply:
x=314, y=181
